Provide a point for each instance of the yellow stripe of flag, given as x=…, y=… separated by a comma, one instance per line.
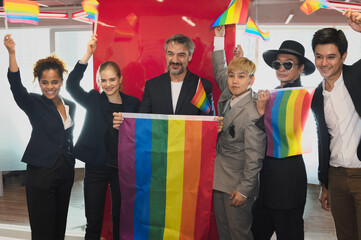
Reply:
x=175, y=165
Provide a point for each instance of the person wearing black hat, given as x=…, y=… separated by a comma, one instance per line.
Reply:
x=283, y=182
x=337, y=108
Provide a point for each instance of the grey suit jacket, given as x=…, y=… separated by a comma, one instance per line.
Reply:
x=241, y=144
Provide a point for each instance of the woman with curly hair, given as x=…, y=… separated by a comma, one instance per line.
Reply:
x=49, y=157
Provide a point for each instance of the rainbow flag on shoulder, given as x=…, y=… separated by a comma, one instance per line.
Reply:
x=166, y=167
x=285, y=118
x=200, y=99
x=22, y=11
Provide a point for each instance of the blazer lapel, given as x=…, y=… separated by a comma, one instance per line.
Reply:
x=167, y=94
x=235, y=110
x=189, y=87
x=71, y=108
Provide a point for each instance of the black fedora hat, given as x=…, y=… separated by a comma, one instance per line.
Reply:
x=290, y=47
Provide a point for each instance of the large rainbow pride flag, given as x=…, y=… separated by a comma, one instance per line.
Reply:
x=237, y=12
x=285, y=117
x=166, y=167
x=22, y=11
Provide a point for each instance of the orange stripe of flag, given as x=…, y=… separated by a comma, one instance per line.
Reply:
x=192, y=168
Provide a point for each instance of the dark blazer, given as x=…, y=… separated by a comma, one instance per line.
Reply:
x=157, y=96
x=352, y=79
x=48, y=138
x=283, y=181
x=90, y=147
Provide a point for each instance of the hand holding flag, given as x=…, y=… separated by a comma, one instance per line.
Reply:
x=285, y=117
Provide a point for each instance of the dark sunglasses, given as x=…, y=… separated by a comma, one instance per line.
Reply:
x=287, y=65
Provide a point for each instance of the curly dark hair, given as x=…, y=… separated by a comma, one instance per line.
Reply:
x=51, y=62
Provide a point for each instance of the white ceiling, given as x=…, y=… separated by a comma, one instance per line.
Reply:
x=265, y=12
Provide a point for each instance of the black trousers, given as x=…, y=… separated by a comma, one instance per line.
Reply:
x=96, y=181
x=48, y=194
x=288, y=224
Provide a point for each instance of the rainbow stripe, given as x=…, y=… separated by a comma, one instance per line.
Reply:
x=310, y=6
x=253, y=30
x=22, y=11
x=166, y=167
x=200, y=99
x=91, y=8
x=285, y=117
x=236, y=13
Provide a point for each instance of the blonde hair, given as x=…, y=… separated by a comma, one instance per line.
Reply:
x=243, y=64
x=51, y=62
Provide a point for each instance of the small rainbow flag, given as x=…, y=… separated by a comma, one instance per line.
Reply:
x=200, y=99
x=236, y=13
x=166, y=165
x=91, y=8
x=285, y=117
x=22, y=11
x=253, y=30
x=310, y=6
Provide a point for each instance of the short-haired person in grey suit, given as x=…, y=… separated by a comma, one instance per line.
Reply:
x=240, y=147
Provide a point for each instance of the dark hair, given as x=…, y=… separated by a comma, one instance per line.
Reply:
x=51, y=62
x=182, y=39
x=330, y=35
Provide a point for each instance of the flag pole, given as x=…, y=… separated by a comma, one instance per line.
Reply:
x=334, y=8
x=6, y=23
x=96, y=22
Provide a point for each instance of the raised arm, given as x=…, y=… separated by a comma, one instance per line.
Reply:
x=10, y=46
x=91, y=48
x=354, y=19
x=73, y=82
x=20, y=93
x=219, y=59
x=220, y=70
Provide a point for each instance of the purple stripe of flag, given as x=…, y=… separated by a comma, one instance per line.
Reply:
x=268, y=125
x=127, y=177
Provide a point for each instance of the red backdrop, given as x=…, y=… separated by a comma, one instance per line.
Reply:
x=141, y=27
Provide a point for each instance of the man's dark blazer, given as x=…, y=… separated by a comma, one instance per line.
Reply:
x=90, y=147
x=352, y=80
x=157, y=96
x=48, y=137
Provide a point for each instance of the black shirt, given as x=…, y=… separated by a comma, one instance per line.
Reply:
x=111, y=137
